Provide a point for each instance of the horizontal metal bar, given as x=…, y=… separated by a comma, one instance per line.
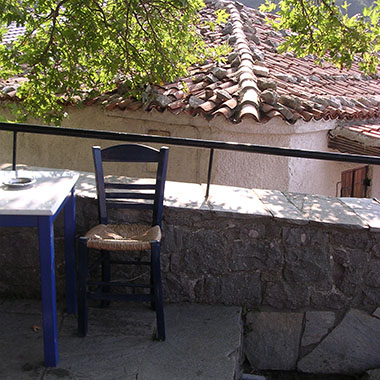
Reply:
x=194, y=143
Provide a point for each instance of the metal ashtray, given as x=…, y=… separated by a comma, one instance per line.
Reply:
x=19, y=182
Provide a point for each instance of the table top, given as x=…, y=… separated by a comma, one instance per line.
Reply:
x=43, y=197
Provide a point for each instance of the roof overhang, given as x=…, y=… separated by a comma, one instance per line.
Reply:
x=356, y=139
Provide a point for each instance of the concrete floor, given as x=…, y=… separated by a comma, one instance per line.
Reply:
x=203, y=342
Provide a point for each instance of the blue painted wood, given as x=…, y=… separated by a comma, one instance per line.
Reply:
x=82, y=287
x=121, y=204
x=119, y=297
x=106, y=276
x=157, y=292
x=134, y=196
x=130, y=186
x=70, y=256
x=118, y=283
x=160, y=186
x=125, y=199
x=45, y=226
x=18, y=221
x=99, y=179
x=130, y=153
x=47, y=269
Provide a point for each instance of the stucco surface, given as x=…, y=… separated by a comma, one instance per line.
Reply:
x=190, y=164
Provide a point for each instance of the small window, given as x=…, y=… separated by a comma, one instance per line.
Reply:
x=355, y=183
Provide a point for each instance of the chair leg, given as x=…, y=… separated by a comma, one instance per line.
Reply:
x=106, y=275
x=82, y=287
x=152, y=300
x=157, y=285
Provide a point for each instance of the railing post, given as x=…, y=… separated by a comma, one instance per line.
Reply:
x=14, y=150
x=209, y=172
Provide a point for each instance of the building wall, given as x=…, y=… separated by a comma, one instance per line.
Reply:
x=190, y=164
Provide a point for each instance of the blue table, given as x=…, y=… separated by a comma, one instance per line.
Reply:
x=37, y=206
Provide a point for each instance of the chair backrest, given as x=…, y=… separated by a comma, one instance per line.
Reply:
x=114, y=194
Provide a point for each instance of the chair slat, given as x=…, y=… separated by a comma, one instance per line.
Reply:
x=120, y=297
x=119, y=283
x=130, y=186
x=129, y=196
x=142, y=206
x=134, y=153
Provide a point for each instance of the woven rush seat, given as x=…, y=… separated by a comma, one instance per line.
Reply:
x=123, y=237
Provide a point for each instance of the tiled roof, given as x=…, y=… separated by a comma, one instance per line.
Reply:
x=13, y=32
x=356, y=138
x=256, y=82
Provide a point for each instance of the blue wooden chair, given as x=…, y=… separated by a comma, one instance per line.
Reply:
x=124, y=237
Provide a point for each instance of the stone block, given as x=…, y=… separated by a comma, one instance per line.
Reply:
x=235, y=199
x=354, y=239
x=367, y=209
x=279, y=206
x=326, y=210
x=352, y=347
x=308, y=265
x=372, y=277
x=255, y=255
x=233, y=289
x=317, y=325
x=376, y=313
x=180, y=287
x=372, y=374
x=371, y=298
x=273, y=340
x=331, y=299
x=282, y=295
x=204, y=251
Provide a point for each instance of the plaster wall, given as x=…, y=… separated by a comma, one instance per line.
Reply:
x=74, y=153
x=310, y=175
x=229, y=168
x=190, y=164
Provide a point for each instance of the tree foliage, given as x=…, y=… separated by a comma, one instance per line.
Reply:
x=73, y=49
x=325, y=30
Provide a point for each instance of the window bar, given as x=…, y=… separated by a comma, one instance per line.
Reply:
x=209, y=172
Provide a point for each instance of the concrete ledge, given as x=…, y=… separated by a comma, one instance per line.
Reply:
x=291, y=207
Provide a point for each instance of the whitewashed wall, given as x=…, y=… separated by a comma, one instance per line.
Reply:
x=189, y=164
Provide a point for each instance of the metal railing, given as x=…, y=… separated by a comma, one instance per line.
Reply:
x=186, y=142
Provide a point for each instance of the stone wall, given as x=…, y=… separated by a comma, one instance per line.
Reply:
x=303, y=266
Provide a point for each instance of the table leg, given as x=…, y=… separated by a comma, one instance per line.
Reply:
x=47, y=269
x=70, y=257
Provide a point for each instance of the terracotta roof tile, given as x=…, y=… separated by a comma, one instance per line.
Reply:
x=356, y=138
x=317, y=91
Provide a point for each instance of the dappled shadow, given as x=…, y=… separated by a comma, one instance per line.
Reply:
x=367, y=209
x=235, y=199
x=43, y=197
x=324, y=209
x=297, y=207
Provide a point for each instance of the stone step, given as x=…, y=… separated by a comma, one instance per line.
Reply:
x=203, y=342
